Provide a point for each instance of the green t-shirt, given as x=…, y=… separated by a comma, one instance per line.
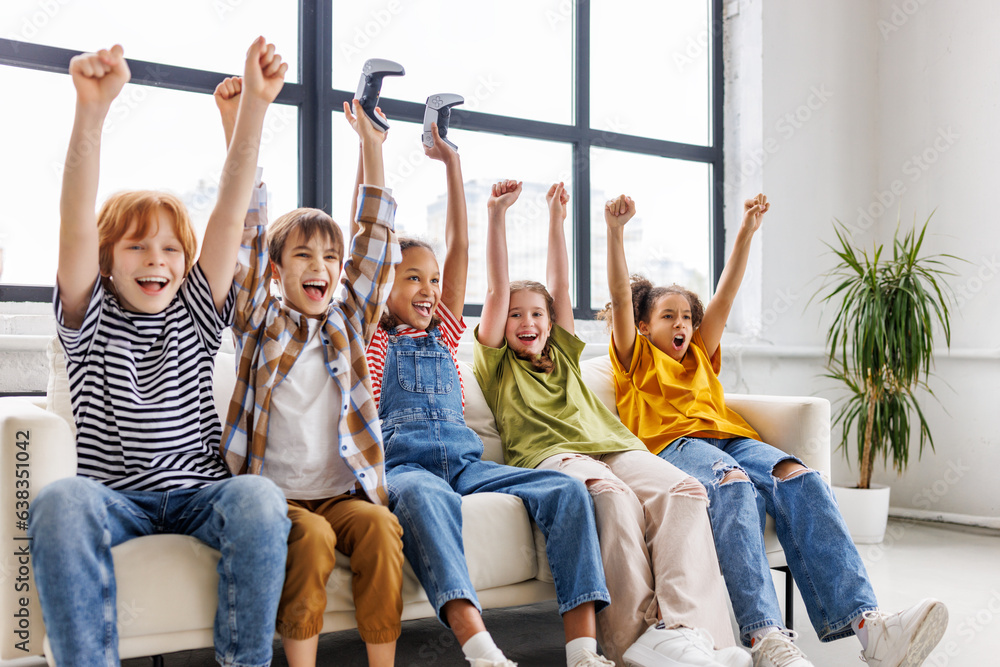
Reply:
x=542, y=414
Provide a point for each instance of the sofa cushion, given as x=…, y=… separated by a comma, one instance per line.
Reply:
x=57, y=398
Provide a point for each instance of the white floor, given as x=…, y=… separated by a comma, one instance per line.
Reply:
x=960, y=566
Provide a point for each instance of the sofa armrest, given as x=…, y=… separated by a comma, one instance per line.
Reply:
x=36, y=448
x=798, y=425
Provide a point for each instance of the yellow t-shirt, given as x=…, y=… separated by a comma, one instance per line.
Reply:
x=660, y=399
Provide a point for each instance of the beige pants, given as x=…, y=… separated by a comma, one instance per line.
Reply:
x=656, y=544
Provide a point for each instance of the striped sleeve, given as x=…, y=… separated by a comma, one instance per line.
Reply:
x=75, y=342
x=375, y=354
x=452, y=329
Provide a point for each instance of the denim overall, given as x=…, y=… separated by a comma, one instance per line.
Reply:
x=432, y=459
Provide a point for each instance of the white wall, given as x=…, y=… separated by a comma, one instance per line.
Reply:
x=863, y=99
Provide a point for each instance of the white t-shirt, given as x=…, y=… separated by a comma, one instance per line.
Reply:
x=302, y=457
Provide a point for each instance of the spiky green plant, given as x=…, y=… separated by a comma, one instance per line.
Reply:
x=881, y=342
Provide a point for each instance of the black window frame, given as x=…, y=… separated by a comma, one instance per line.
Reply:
x=317, y=100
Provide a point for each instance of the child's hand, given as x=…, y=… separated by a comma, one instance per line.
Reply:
x=362, y=124
x=227, y=98
x=99, y=77
x=264, y=73
x=441, y=151
x=753, y=212
x=618, y=211
x=503, y=194
x=557, y=198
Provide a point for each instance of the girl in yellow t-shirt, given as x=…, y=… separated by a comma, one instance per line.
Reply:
x=665, y=353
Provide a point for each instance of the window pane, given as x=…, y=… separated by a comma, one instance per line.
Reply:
x=658, y=52
x=211, y=35
x=153, y=139
x=419, y=187
x=668, y=239
x=512, y=58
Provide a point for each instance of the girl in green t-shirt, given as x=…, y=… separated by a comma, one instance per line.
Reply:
x=668, y=599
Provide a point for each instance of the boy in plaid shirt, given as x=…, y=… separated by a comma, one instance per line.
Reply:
x=302, y=412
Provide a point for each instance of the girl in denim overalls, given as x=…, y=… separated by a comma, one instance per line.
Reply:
x=433, y=458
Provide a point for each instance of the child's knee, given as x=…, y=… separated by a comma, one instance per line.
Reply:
x=689, y=487
x=788, y=469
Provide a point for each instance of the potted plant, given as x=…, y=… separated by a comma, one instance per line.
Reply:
x=880, y=347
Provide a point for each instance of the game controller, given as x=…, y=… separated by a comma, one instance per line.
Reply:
x=370, y=86
x=438, y=110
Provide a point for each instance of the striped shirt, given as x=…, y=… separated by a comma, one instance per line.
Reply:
x=451, y=332
x=141, y=388
x=269, y=338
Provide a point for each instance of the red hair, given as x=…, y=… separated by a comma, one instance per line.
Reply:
x=133, y=212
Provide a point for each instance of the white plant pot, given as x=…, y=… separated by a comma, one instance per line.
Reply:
x=865, y=511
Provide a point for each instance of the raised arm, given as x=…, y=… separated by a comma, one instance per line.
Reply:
x=375, y=138
x=717, y=311
x=557, y=264
x=617, y=212
x=455, y=272
x=98, y=78
x=263, y=77
x=494, y=318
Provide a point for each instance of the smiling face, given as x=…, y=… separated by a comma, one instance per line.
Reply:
x=146, y=272
x=670, y=326
x=416, y=289
x=528, y=323
x=308, y=272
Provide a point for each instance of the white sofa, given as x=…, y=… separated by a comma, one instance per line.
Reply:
x=167, y=583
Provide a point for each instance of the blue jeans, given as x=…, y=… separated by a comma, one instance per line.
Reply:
x=823, y=560
x=74, y=522
x=432, y=459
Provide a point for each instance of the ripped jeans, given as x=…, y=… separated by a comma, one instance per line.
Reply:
x=656, y=546
x=823, y=560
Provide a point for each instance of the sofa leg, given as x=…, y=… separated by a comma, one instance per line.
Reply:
x=789, y=595
x=158, y=661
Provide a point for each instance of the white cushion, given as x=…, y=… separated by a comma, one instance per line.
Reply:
x=57, y=399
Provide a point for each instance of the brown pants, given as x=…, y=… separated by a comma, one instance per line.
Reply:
x=371, y=536
x=656, y=544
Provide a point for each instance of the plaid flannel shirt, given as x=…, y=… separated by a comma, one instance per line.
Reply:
x=269, y=339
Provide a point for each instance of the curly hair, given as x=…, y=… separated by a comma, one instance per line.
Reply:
x=645, y=295
x=543, y=362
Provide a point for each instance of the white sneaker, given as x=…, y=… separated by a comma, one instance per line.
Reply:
x=677, y=647
x=594, y=660
x=733, y=657
x=483, y=662
x=906, y=638
x=775, y=649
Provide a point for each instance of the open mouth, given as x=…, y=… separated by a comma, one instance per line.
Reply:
x=314, y=289
x=152, y=284
x=527, y=338
x=423, y=308
x=678, y=341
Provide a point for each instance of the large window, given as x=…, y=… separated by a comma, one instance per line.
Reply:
x=606, y=97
